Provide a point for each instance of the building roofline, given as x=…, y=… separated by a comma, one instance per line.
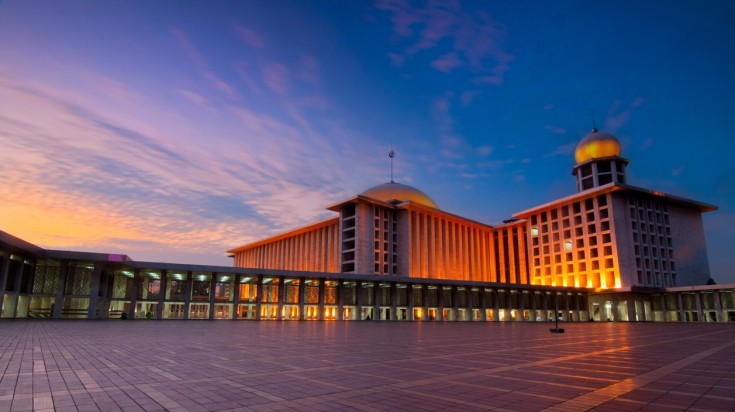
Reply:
x=20, y=246
x=279, y=236
x=354, y=199
x=614, y=187
x=409, y=205
x=90, y=256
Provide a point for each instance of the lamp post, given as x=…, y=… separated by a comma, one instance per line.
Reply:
x=556, y=328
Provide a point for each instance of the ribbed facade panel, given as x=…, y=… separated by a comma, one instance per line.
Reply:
x=311, y=249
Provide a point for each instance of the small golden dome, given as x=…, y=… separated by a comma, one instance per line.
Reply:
x=396, y=192
x=597, y=145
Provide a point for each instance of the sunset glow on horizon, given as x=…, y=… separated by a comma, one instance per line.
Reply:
x=178, y=131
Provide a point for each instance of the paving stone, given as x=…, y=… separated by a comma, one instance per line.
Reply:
x=367, y=366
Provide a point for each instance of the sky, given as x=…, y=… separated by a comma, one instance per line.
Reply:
x=172, y=131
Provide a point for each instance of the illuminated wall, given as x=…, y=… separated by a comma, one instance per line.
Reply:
x=312, y=248
x=445, y=246
x=573, y=244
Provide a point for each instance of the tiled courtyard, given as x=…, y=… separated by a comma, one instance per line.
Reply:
x=367, y=366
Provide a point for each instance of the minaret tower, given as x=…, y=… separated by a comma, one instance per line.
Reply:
x=598, y=161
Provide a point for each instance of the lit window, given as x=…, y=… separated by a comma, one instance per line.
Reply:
x=534, y=231
x=568, y=245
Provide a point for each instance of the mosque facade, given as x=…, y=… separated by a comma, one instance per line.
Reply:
x=610, y=251
x=607, y=236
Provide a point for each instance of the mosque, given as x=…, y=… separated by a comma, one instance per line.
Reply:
x=610, y=251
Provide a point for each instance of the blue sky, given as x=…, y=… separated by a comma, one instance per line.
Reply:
x=173, y=131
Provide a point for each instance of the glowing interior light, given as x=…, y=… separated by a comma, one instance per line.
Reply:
x=534, y=231
x=568, y=245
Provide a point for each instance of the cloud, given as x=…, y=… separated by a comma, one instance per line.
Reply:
x=468, y=96
x=555, y=129
x=564, y=150
x=678, y=171
x=646, y=143
x=396, y=59
x=453, y=145
x=495, y=164
x=548, y=106
x=484, y=150
x=447, y=62
x=82, y=171
x=197, y=58
x=249, y=37
x=461, y=38
x=617, y=117
x=276, y=77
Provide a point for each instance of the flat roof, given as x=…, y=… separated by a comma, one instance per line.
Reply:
x=614, y=187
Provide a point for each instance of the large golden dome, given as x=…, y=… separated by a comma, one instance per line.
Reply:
x=597, y=145
x=395, y=192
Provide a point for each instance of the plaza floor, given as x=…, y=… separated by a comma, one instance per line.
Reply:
x=148, y=365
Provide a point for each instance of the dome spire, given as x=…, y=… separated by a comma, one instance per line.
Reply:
x=594, y=124
x=391, y=154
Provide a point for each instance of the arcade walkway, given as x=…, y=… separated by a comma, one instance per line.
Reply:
x=148, y=365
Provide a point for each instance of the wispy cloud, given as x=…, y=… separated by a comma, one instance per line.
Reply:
x=648, y=142
x=79, y=172
x=563, y=150
x=618, y=116
x=555, y=129
x=447, y=62
x=276, y=77
x=191, y=51
x=249, y=37
x=464, y=39
x=468, y=96
x=396, y=59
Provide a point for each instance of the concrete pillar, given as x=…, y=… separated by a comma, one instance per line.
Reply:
x=680, y=300
x=134, y=294
x=632, y=314
x=545, y=297
x=470, y=308
x=483, y=305
x=425, y=299
x=105, y=292
x=376, y=301
x=18, y=277
x=60, y=286
x=496, y=304
x=187, y=295
x=358, y=299
x=29, y=286
x=161, y=295
x=521, y=305
x=236, y=298
x=718, y=307
x=455, y=302
x=94, y=291
x=340, y=299
x=281, y=296
x=393, y=301
x=322, y=289
x=302, y=298
x=212, y=288
x=409, y=302
x=665, y=310
x=259, y=297
x=4, y=273
x=440, y=303
x=698, y=302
